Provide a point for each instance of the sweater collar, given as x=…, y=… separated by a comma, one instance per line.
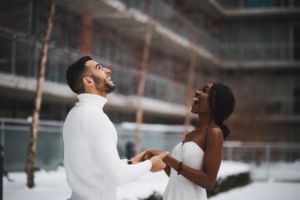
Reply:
x=93, y=99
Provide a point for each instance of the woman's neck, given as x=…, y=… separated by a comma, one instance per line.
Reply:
x=205, y=122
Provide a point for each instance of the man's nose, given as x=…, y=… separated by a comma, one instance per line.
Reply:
x=108, y=71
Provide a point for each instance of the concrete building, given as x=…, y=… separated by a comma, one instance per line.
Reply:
x=253, y=46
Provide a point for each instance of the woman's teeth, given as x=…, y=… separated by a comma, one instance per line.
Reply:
x=195, y=100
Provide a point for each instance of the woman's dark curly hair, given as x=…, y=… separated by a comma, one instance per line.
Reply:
x=221, y=102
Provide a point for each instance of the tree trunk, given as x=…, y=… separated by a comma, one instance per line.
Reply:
x=190, y=88
x=31, y=151
x=142, y=83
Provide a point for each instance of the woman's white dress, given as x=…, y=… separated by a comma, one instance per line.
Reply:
x=180, y=188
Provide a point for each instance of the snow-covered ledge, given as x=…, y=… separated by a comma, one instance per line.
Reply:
x=231, y=175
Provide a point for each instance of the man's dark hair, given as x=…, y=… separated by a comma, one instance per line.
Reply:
x=74, y=74
x=222, y=104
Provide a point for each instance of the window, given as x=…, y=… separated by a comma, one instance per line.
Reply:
x=296, y=42
x=296, y=94
x=274, y=107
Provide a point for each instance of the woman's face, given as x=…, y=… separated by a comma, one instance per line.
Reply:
x=201, y=100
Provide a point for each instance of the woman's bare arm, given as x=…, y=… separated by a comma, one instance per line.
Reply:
x=167, y=170
x=206, y=177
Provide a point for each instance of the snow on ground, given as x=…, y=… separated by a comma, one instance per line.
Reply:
x=229, y=168
x=158, y=181
x=262, y=191
x=52, y=186
x=279, y=171
x=49, y=186
x=144, y=186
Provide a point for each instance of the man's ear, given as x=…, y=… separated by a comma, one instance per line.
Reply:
x=88, y=81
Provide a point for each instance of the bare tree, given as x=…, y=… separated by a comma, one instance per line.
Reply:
x=190, y=88
x=141, y=85
x=31, y=151
x=143, y=77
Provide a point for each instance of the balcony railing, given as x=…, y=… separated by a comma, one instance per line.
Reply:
x=15, y=132
x=261, y=52
x=26, y=49
x=257, y=51
x=167, y=16
x=19, y=55
x=258, y=4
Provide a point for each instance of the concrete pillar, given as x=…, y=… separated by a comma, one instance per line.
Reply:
x=86, y=34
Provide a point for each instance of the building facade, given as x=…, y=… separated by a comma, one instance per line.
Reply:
x=253, y=46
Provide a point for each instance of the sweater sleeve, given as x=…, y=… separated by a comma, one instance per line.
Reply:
x=100, y=132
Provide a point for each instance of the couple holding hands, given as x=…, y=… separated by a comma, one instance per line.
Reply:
x=92, y=163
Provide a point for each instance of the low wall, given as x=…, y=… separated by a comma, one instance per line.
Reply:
x=230, y=182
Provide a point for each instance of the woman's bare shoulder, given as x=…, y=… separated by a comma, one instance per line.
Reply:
x=214, y=133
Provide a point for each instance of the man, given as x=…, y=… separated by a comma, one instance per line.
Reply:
x=93, y=166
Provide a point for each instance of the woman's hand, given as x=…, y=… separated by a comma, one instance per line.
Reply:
x=151, y=153
x=139, y=157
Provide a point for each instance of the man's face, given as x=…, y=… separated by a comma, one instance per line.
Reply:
x=101, y=76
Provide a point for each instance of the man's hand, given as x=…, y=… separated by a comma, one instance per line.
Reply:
x=150, y=153
x=157, y=163
x=139, y=157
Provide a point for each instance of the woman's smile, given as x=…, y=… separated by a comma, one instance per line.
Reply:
x=195, y=100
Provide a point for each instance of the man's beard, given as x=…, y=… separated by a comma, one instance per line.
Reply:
x=109, y=88
x=103, y=86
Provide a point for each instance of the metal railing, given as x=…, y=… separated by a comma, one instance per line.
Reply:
x=15, y=132
x=168, y=17
x=14, y=137
x=19, y=56
x=261, y=152
x=243, y=51
x=261, y=52
x=258, y=4
x=163, y=14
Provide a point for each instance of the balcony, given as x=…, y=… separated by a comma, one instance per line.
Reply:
x=256, y=8
x=259, y=52
x=19, y=66
x=258, y=4
x=173, y=34
x=181, y=35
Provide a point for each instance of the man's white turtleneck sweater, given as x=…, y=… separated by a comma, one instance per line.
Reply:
x=92, y=163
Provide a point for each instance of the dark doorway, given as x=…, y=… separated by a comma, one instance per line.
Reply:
x=296, y=100
x=296, y=41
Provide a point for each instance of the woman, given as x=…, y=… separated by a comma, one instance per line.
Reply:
x=194, y=163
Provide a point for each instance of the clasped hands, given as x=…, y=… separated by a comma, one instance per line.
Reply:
x=155, y=156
